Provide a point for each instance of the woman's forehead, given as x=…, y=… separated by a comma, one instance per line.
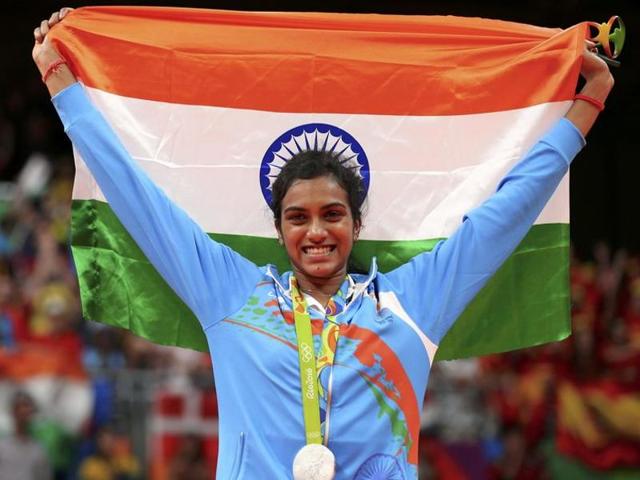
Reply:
x=318, y=191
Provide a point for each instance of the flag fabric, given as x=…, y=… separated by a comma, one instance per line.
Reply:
x=431, y=110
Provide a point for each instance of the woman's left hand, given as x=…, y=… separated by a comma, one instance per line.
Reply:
x=595, y=71
x=598, y=84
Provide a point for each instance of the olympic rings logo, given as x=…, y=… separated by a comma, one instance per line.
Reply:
x=306, y=354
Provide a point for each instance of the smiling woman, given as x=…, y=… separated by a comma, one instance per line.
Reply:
x=333, y=363
x=317, y=212
x=318, y=232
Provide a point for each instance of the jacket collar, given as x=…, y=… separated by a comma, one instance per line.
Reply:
x=351, y=289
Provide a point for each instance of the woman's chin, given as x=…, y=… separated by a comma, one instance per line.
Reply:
x=321, y=269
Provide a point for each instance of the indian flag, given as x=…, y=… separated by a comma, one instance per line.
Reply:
x=55, y=379
x=433, y=111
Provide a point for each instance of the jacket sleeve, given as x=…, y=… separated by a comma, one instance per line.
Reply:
x=435, y=287
x=212, y=280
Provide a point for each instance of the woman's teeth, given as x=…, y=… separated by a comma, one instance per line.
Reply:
x=317, y=250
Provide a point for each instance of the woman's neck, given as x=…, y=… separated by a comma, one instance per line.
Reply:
x=322, y=289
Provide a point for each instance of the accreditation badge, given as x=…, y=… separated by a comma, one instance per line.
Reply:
x=314, y=462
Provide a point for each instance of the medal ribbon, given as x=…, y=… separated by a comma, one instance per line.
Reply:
x=310, y=387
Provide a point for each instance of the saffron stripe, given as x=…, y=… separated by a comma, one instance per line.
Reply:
x=324, y=62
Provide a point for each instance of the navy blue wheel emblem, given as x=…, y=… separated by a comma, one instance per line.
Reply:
x=312, y=136
x=380, y=467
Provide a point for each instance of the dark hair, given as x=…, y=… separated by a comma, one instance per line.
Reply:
x=312, y=164
x=19, y=397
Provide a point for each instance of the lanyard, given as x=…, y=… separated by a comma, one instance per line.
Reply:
x=307, y=364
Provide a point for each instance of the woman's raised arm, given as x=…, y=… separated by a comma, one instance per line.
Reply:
x=435, y=287
x=213, y=280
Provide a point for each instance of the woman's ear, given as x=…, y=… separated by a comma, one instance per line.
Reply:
x=278, y=232
x=356, y=230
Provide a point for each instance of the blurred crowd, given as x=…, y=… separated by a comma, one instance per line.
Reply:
x=568, y=409
x=82, y=400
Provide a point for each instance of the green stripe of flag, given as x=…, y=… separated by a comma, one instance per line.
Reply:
x=525, y=304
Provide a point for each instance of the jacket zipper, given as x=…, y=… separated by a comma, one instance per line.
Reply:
x=237, y=461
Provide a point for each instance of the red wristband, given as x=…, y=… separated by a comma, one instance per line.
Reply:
x=52, y=68
x=596, y=103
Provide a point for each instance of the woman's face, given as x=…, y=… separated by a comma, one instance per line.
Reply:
x=317, y=228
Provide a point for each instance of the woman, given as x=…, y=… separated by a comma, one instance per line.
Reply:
x=369, y=339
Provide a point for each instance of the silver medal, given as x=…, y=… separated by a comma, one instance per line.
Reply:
x=314, y=462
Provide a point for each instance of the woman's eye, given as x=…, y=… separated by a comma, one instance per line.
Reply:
x=296, y=218
x=333, y=214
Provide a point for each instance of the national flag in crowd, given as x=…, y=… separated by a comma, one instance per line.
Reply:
x=54, y=377
x=432, y=111
x=598, y=423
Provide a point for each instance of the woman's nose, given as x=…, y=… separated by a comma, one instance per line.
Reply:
x=317, y=231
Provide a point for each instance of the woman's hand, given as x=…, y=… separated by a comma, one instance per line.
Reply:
x=598, y=78
x=44, y=53
x=598, y=84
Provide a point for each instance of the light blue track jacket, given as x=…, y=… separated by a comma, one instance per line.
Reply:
x=393, y=322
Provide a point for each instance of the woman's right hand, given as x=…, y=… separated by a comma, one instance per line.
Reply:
x=44, y=52
x=45, y=55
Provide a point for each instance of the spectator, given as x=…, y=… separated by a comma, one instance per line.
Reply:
x=21, y=457
x=190, y=461
x=111, y=461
